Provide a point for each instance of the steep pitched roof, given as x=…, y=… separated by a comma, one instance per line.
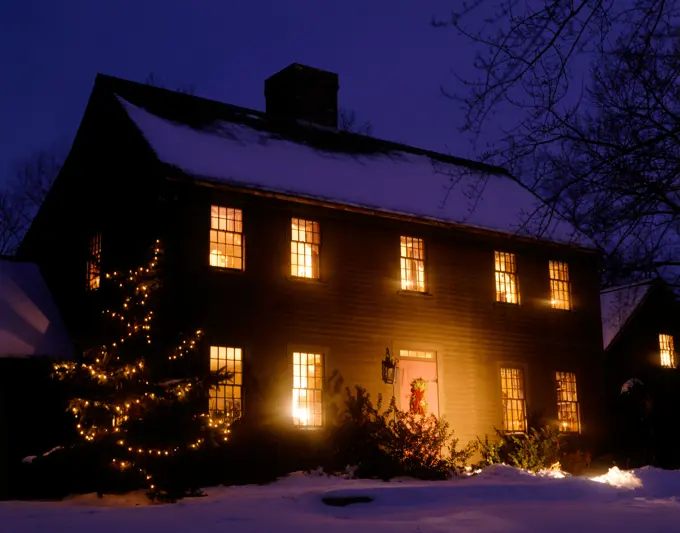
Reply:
x=30, y=324
x=235, y=146
x=618, y=305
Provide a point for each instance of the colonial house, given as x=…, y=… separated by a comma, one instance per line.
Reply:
x=32, y=336
x=305, y=253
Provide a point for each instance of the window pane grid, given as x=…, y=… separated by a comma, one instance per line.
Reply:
x=307, y=389
x=416, y=354
x=412, y=264
x=94, y=262
x=226, y=237
x=304, y=248
x=514, y=408
x=226, y=399
x=667, y=349
x=567, y=402
x=506, y=278
x=560, y=286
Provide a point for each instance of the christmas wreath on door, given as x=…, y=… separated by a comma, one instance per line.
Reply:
x=418, y=402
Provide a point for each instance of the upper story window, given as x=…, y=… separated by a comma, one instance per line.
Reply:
x=304, y=248
x=226, y=237
x=412, y=264
x=507, y=286
x=308, y=379
x=567, y=402
x=94, y=270
x=560, y=286
x=667, y=349
x=226, y=399
x=514, y=406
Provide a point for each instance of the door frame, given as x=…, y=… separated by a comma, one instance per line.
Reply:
x=414, y=347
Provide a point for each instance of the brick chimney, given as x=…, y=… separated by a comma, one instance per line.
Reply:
x=303, y=93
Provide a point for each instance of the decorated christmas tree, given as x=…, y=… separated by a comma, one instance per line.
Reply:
x=135, y=401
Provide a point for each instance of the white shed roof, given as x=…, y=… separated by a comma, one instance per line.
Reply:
x=30, y=324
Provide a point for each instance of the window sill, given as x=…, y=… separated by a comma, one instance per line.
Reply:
x=312, y=281
x=226, y=270
x=506, y=304
x=403, y=292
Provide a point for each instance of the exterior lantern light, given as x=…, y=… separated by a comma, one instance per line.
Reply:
x=389, y=368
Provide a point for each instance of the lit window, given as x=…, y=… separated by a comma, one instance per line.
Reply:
x=416, y=354
x=514, y=408
x=560, y=289
x=226, y=237
x=412, y=264
x=304, y=249
x=567, y=402
x=94, y=262
x=667, y=350
x=226, y=398
x=307, y=389
x=506, y=278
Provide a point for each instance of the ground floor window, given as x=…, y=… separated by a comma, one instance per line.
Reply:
x=514, y=402
x=308, y=376
x=226, y=399
x=567, y=402
x=667, y=350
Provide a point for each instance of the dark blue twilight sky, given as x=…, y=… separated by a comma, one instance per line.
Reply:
x=391, y=61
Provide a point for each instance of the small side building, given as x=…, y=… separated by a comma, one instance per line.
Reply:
x=640, y=329
x=32, y=336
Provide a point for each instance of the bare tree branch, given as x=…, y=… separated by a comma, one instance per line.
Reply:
x=347, y=121
x=23, y=194
x=593, y=86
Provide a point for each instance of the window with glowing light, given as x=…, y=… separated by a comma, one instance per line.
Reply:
x=308, y=389
x=506, y=278
x=667, y=349
x=412, y=264
x=560, y=286
x=304, y=248
x=226, y=399
x=567, y=402
x=226, y=237
x=514, y=404
x=416, y=354
x=94, y=262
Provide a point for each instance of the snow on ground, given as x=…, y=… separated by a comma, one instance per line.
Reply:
x=500, y=499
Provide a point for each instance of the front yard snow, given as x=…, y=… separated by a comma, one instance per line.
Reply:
x=499, y=499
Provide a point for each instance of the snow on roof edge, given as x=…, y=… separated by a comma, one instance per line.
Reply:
x=184, y=139
x=618, y=306
x=382, y=210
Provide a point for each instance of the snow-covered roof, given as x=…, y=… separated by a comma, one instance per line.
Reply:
x=401, y=181
x=618, y=304
x=30, y=324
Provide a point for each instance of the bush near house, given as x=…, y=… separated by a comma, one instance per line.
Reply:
x=374, y=442
x=535, y=450
x=388, y=443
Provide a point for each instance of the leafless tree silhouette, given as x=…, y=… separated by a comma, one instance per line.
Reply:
x=347, y=121
x=23, y=194
x=587, y=98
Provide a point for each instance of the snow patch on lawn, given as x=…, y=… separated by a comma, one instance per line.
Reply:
x=619, y=478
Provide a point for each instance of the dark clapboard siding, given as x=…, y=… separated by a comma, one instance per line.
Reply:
x=356, y=310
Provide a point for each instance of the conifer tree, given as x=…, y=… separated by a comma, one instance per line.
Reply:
x=133, y=400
